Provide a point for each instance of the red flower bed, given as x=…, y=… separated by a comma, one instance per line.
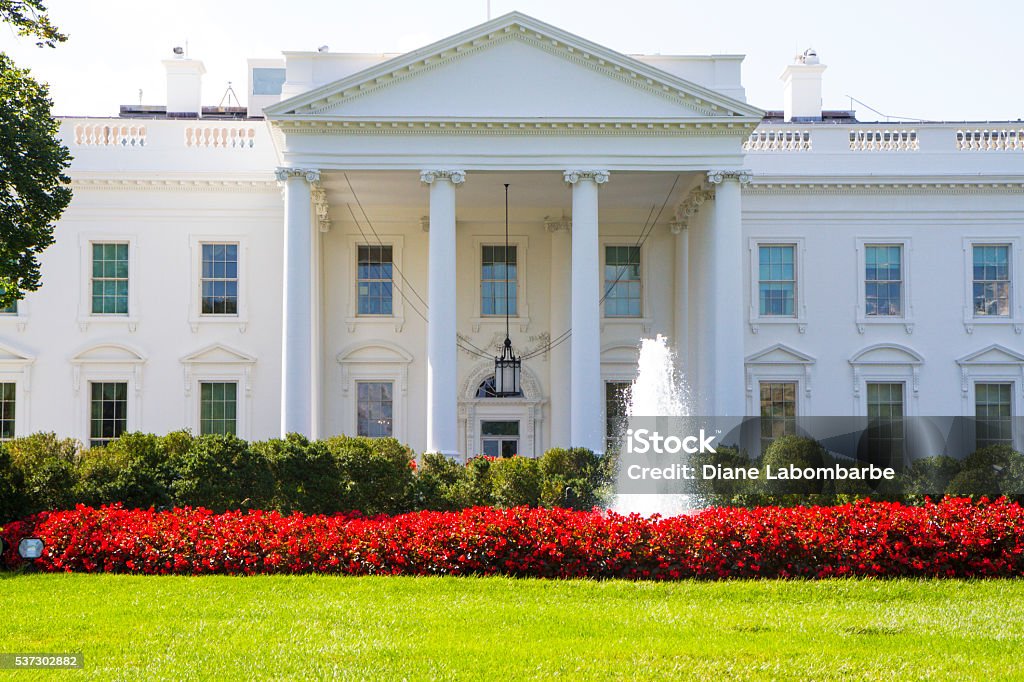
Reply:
x=954, y=538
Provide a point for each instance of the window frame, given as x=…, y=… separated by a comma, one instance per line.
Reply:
x=90, y=383
x=238, y=401
x=1014, y=415
x=361, y=381
x=799, y=316
x=1015, y=318
x=85, y=315
x=906, y=319
x=905, y=403
x=370, y=361
x=766, y=381
x=608, y=439
x=502, y=438
x=353, y=319
x=606, y=289
x=522, y=318
x=218, y=363
x=196, y=317
x=644, y=319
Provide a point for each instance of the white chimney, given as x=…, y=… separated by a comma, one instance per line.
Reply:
x=184, y=85
x=801, y=87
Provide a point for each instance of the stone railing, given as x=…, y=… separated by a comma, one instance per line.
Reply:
x=883, y=140
x=778, y=141
x=110, y=135
x=990, y=140
x=220, y=137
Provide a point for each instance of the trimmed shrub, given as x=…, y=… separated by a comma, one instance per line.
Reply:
x=516, y=481
x=12, y=486
x=222, y=473
x=46, y=465
x=306, y=475
x=441, y=483
x=930, y=476
x=375, y=474
x=134, y=470
x=478, y=491
x=572, y=478
x=799, y=452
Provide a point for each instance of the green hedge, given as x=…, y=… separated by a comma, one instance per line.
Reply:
x=342, y=474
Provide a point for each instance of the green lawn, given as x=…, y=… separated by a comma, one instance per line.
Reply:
x=497, y=629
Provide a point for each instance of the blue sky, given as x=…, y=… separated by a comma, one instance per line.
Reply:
x=939, y=60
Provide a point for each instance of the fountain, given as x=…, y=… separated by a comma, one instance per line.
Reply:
x=657, y=391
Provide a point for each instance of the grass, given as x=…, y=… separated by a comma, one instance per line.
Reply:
x=296, y=627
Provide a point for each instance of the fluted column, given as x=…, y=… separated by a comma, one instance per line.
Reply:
x=561, y=314
x=297, y=328
x=586, y=428
x=442, y=395
x=726, y=289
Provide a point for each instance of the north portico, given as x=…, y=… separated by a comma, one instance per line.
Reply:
x=601, y=150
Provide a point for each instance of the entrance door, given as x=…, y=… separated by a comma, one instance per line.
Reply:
x=499, y=438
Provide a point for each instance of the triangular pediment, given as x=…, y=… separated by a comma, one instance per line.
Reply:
x=514, y=68
x=780, y=354
x=218, y=354
x=993, y=355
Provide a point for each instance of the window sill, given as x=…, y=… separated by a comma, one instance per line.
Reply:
x=984, y=321
x=499, y=321
x=130, y=321
x=646, y=322
x=374, y=320
x=863, y=322
x=799, y=322
x=241, y=322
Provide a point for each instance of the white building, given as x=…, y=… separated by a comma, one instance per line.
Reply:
x=273, y=269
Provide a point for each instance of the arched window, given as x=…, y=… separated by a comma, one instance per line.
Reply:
x=487, y=390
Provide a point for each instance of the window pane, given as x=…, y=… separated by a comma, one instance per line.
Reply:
x=622, y=284
x=777, y=283
x=993, y=409
x=374, y=409
x=219, y=279
x=778, y=411
x=108, y=412
x=218, y=407
x=110, y=279
x=498, y=273
x=991, y=286
x=374, y=280
x=7, y=410
x=884, y=436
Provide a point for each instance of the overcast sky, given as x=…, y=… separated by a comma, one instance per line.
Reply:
x=938, y=60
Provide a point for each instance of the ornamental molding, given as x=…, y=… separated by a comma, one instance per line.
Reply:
x=321, y=208
x=893, y=186
x=310, y=175
x=456, y=177
x=599, y=177
x=660, y=128
x=181, y=185
x=517, y=26
x=717, y=177
x=558, y=225
x=689, y=207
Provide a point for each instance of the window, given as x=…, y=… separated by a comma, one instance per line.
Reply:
x=12, y=309
x=488, y=389
x=266, y=81
x=991, y=280
x=374, y=409
x=778, y=411
x=883, y=280
x=108, y=417
x=7, y=405
x=622, y=281
x=219, y=279
x=616, y=402
x=498, y=271
x=885, y=424
x=777, y=280
x=374, y=280
x=499, y=438
x=993, y=410
x=218, y=407
x=109, y=279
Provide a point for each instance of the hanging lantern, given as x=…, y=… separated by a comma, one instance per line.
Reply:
x=508, y=367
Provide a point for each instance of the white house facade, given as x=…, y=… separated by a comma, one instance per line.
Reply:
x=332, y=258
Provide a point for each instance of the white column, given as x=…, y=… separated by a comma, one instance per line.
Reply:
x=726, y=284
x=442, y=394
x=586, y=428
x=297, y=332
x=561, y=314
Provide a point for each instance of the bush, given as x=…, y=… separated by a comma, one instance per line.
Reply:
x=573, y=478
x=721, y=491
x=46, y=467
x=12, y=486
x=988, y=472
x=306, y=475
x=375, y=474
x=515, y=481
x=930, y=476
x=441, y=483
x=799, y=452
x=221, y=473
x=134, y=470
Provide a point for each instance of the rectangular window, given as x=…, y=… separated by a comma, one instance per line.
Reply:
x=616, y=400
x=883, y=280
x=993, y=410
x=110, y=279
x=12, y=309
x=991, y=280
x=108, y=416
x=374, y=280
x=499, y=270
x=777, y=280
x=778, y=411
x=218, y=407
x=622, y=281
x=885, y=425
x=374, y=409
x=7, y=405
x=219, y=279
x=499, y=438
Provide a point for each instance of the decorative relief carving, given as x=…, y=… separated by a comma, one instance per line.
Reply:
x=598, y=176
x=456, y=177
x=716, y=177
x=311, y=175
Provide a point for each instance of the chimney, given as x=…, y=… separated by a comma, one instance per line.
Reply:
x=184, y=85
x=801, y=87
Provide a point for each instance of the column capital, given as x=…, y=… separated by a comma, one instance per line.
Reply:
x=715, y=177
x=598, y=176
x=311, y=175
x=456, y=177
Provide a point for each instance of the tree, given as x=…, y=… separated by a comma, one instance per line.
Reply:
x=33, y=188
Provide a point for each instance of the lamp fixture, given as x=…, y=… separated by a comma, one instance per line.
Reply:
x=507, y=367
